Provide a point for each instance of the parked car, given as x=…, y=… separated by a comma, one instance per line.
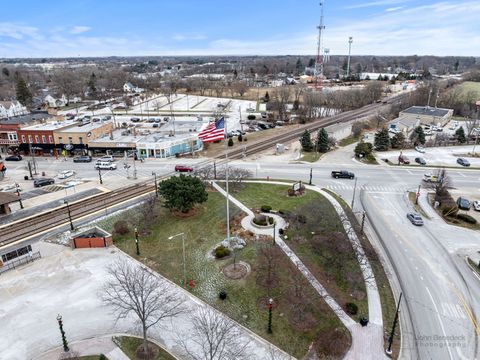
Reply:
x=420, y=149
x=65, y=174
x=415, y=219
x=342, y=174
x=463, y=203
x=402, y=159
x=420, y=160
x=476, y=205
x=463, y=162
x=134, y=119
x=105, y=165
x=262, y=126
x=431, y=178
x=43, y=182
x=11, y=188
x=82, y=159
x=13, y=158
x=156, y=125
x=96, y=119
x=183, y=168
x=107, y=158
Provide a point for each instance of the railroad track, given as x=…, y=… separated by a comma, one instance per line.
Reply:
x=25, y=228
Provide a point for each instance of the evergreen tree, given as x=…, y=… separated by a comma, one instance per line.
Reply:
x=299, y=66
x=460, y=135
x=322, y=141
x=363, y=149
x=24, y=96
x=398, y=141
x=182, y=192
x=266, y=97
x=92, y=85
x=418, y=136
x=5, y=71
x=306, y=141
x=311, y=62
x=230, y=142
x=382, y=140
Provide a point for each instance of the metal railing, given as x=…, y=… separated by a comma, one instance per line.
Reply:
x=21, y=261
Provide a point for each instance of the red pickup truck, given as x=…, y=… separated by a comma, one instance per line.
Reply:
x=183, y=168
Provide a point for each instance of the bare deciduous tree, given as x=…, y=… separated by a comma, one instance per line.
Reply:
x=216, y=338
x=133, y=289
x=267, y=275
x=147, y=211
x=280, y=97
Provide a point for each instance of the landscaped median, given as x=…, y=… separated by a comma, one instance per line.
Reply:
x=300, y=317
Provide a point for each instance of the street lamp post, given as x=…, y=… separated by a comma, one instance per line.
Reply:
x=274, y=224
x=184, y=263
x=417, y=195
x=395, y=320
x=310, y=182
x=156, y=185
x=64, y=339
x=136, y=241
x=100, y=175
x=69, y=214
x=270, y=305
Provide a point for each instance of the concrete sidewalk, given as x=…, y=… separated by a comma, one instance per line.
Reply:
x=367, y=342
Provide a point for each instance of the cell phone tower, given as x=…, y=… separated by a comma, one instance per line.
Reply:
x=319, y=61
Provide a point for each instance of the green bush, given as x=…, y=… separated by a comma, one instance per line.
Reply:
x=230, y=142
x=351, y=308
x=467, y=218
x=221, y=252
x=266, y=208
x=102, y=357
x=240, y=138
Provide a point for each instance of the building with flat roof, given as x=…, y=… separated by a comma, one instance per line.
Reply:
x=80, y=135
x=428, y=115
x=163, y=146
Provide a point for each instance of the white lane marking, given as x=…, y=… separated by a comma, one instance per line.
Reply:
x=476, y=275
x=410, y=172
x=440, y=320
x=462, y=174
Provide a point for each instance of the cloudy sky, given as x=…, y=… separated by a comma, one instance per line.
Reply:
x=49, y=28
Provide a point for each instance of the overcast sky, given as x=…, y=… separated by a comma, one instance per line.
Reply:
x=60, y=28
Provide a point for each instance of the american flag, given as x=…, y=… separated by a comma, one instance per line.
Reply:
x=213, y=132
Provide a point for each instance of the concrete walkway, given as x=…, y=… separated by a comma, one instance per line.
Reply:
x=95, y=346
x=367, y=342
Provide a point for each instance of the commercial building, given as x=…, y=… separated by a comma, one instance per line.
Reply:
x=428, y=115
x=163, y=146
x=80, y=135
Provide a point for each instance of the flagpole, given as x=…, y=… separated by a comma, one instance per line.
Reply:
x=226, y=178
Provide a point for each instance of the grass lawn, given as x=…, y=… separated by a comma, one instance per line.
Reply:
x=453, y=220
x=383, y=285
x=310, y=156
x=348, y=141
x=129, y=346
x=295, y=328
x=470, y=87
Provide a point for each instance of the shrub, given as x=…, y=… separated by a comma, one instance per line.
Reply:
x=102, y=357
x=266, y=208
x=467, y=218
x=245, y=138
x=351, y=308
x=260, y=220
x=230, y=142
x=221, y=251
x=121, y=227
x=270, y=220
x=291, y=192
x=301, y=218
x=240, y=138
x=251, y=117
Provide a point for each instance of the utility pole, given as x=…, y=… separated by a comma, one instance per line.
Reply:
x=270, y=305
x=18, y=194
x=350, y=41
x=69, y=214
x=363, y=221
x=156, y=185
x=390, y=339
x=417, y=195
x=100, y=175
x=354, y=191
x=319, y=60
x=214, y=170
x=310, y=182
x=274, y=225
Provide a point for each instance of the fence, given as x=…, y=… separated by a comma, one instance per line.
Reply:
x=22, y=261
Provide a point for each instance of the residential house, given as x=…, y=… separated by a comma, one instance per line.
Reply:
x=12, y=108
x=130, y=88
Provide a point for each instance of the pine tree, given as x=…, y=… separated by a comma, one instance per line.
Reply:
x=306, y=141
x=418, y=136
x=398, y=141
x=24, y=96
x=382, y=140
x=460, y=134
x=266, y=97
x=322, y=141
x=92, y=85
x=230, y=142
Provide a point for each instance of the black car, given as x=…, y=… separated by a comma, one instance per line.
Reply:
x=43, y=182
x=82, y=159
x=463, y=204
x=13, y=158
x=420, y=160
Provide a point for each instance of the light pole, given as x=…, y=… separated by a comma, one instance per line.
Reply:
x=350, y=40
x=390, y=339
x=274, y=224
x=156, y=185
x=354, y=191
x=310, y=182
x=100, y=175
x=417, y=195
x=184, y=263
x=270, y=305
x=69, y=214
x=64, y=339
x=136, y=241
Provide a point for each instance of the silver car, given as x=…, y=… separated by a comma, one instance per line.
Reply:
x=415, y=219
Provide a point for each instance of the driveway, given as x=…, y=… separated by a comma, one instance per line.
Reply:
x=67, y=282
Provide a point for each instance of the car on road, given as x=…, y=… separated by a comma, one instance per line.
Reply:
x=82, y=159
x=156, y=125
x=13, y=158
x=476, y=205
x=402, y=159
x=108, y=158
x=10, y=188
x=420, y=149
x=342, y=174
x=463, y=203
x=420, y=160
x=415, y=219
x=43, y=182
x=183, y=168
x=105, y=165
x=463, y=162
x=135, y=119
x=430, y=178
x=65, y=174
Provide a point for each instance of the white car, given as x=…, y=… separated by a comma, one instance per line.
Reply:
x=10, y=188
x=420, y=149
x=476, y=205
x=65, y=174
